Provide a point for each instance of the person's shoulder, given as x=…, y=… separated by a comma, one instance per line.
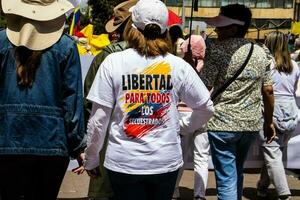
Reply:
x=115, y=47
x=64, y=45
x=67, y=39
x=120, y=56
x=176, y=59
x=2, y=32
x=179, y=64
x=295, y=66
x=5, y=44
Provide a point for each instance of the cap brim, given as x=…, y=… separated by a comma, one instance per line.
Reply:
x=220, y=21
x=36, y=12
x=34, y=35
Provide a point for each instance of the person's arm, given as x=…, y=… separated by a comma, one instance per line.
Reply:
x=195, y=94
x=102, y=96
x=96, y=132
x=268, y=101
x=72, y=103
x=200, y=115
x=89, y=81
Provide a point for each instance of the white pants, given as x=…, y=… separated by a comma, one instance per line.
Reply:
x=273, y=169
x=198, y=144
x=201, y=157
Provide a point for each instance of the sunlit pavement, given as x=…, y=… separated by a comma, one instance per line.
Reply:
x=75, y=187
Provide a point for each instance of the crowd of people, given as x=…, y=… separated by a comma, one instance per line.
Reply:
x=147, y=99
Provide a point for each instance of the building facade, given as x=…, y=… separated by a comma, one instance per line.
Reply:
x=267, y=14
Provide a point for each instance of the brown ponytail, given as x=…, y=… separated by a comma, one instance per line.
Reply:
x=27, y=63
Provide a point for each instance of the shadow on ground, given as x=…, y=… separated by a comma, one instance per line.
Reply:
x=72, y=198
x=249, y=193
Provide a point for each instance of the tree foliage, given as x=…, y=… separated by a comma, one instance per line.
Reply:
x=2, y=20
x=101, y=12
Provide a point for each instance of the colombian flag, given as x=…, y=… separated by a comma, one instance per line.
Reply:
x=75, y=26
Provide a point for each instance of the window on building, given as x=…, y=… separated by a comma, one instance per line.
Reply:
x=278, y=4
x=208, y=3
x=174, y=2
x=249, y=3
x=263, y=3
x=272, y=23
x=288, y=3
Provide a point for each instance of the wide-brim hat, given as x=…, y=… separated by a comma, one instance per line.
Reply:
x=40, y=10
x=221, y=21
x=121, y=14
x=34, y=35
x=35, y=24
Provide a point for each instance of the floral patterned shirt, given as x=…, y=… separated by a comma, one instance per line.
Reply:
x=238, y=108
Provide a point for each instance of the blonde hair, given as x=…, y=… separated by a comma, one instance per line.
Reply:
x=147, y=43
x=277, y=43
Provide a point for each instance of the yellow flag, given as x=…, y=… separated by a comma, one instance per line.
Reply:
x=88, y=31
x=295, y=28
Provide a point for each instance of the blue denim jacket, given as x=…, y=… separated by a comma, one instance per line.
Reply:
x=47, y=118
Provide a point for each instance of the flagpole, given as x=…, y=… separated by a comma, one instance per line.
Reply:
x=183, y=14
x=193, y=8
x=191, y=24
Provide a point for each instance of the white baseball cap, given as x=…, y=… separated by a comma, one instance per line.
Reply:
x=150, y=12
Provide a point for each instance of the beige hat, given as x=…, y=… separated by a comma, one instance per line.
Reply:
x=40, y=10
x=34, y=35
x=121, y=14
x=35, y=24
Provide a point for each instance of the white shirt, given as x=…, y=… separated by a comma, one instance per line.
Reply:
x=141, y=94
x=284, y=84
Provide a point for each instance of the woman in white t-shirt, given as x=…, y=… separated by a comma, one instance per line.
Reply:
x=134, y=95
x=285, y=74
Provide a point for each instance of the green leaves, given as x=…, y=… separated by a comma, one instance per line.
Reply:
x=101, y=12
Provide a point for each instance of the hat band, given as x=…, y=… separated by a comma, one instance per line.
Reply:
x=39, y=2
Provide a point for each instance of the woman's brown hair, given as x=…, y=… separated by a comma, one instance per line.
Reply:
x=277, y=43
x=27, y=62
x=149, y=42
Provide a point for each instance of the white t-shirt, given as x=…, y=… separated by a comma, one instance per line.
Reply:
x=285, y=84
x=144, y=125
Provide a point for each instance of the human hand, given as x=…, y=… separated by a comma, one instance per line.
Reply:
x=93, y=173
x=80, y=169
x=269, y=132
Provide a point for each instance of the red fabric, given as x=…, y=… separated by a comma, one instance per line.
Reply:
x=173, y=19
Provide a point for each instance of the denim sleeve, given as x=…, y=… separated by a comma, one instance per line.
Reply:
x=73, y=103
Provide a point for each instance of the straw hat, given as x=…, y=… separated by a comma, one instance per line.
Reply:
x=121, y=14
x=35, y=24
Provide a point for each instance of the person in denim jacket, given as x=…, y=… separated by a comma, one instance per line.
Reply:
x=41, y=100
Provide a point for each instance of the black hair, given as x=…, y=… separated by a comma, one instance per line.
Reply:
x=239, y=12
x=175, y=33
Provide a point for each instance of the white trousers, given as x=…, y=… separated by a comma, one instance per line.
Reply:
x=201, y=157
x=273, y=169
x=196, y=144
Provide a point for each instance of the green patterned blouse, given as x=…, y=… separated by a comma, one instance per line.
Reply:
x=238, y=108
